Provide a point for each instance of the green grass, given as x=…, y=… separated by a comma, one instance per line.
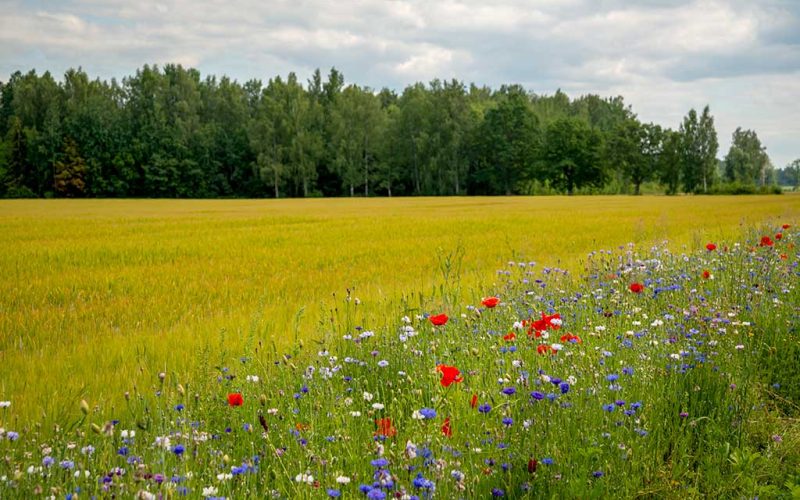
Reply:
x=98, y=294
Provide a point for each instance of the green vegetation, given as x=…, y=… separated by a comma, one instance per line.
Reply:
x=603, y=370
x=167, y=132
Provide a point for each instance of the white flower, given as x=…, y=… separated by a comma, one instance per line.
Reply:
x=383, y=363
x=377, y=406
x=406, y=319
x=253, y=378
x=304, y=478
x=517, y=325
x=367, y=396
x=224, y=476
x=355, y=413
x=5, y=404
x=411, y=450
x=739, y=347
x=675, y=356
x=343, y=480
x=272, y=411
x=417, y=415
x=210, y=491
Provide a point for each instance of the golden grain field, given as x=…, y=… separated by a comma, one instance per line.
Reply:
x=94, y=292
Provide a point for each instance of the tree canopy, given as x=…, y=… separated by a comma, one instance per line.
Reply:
x=168, y=132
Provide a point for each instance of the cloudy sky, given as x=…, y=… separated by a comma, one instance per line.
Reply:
x=742, y=57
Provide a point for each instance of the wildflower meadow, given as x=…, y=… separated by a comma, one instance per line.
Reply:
x=637, y=370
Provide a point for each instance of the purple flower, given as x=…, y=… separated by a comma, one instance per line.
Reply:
x=508, y=421
x=178, y=449
x=564, y=387
x=484, y=408
x=538, y=396
x=509, y=391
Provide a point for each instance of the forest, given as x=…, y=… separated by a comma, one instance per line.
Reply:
x=167, y=132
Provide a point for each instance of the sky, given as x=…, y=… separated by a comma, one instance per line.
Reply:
x=741, y=57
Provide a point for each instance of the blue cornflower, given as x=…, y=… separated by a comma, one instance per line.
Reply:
x=12, y=436
x=508, y=421
x=428, y=413
x=67, y=464
x=547, y=461
x=627, y=371
x=484, y=408
x=609, y=407
x=564, y=387
x=179, y=407
x=376, y=494
x=497, y=492
x=379, y=462
x=620, y=402
x=636, y=405
x=178, y=449
x=332, y=493
x=555, y=380
x=509, y=391
x=48, y=461
x=612, y=377
x=597, y=473
x=537, y=395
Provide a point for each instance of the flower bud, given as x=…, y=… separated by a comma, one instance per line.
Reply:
x=263, y=399
x=181, y=390
x=84, y=407
x=96, y=428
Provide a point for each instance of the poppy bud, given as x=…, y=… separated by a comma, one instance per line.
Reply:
x=96, y=428
x=162, y=376
x=474, y=351
x=300, y=343
x=263, y=399
x=181, y=390
x=226, y=458
x=84, y=407
x=127, y=396
x=532, y=465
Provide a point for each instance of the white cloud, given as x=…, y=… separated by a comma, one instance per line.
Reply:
x=664, y=56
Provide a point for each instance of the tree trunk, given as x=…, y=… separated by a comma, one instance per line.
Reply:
x=352, y=190
x=276, y=184
x=305, y=187
x=636, y=189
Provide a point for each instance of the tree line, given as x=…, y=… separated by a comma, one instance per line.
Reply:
x=167, y=132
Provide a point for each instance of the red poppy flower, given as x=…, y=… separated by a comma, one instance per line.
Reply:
x=706, y=274
x=786, y=226
x=490, y=302
x=711, y=247
x=532, y=464
x=446, y=429
x=783, y=256
x=545, y=323
x=766, y=241
x=568, y=337
x=473, y=402
x=510, y=336
x=450, y=374
x=637, y=287
x=779, y=236
x=235, y=399
x=439, y=319
x=385, y=427
x=545, y=349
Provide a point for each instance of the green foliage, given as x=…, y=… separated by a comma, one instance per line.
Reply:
x=572, y=155
x=165, y=132
x=70, y=172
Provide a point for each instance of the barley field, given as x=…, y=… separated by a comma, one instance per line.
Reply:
x=94, y=292
x=402, y=348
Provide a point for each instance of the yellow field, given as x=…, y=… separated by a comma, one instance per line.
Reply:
x=95, y=292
